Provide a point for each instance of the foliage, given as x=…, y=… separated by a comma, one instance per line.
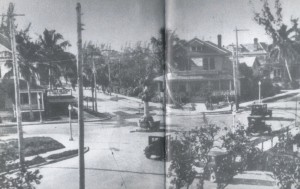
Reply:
x=55, y=62
x=191, y=150
x=285, y=48
x=283, y=163
x=249, y=84
x=177, y=52
x=63, y=154
x=238, y=147
x=16, y=180
x=181, y=168
x=35, y=145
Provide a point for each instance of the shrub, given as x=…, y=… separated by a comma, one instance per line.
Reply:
x=36, y=160
x=35, y=145
x=63, y=154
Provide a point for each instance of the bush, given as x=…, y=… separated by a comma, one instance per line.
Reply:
x=35, y=145
x=36, y=160
x=63, y=154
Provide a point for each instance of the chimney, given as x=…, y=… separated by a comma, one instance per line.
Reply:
x=255, y=43
x=219, y=41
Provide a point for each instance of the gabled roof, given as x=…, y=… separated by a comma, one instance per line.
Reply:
x=211, y=45
x=4, y=41
x=251, y=48
x=249, y=61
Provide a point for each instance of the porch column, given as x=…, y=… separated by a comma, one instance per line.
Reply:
x=230, y=84
x=188, y=88
x=38, y=96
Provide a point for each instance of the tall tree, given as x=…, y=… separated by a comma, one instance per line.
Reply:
x=55, y=57
x=285, y=47
x=28, y=56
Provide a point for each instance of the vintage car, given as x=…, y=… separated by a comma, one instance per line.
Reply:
x=258, y=125
x=157, y=146
x=148, y=123
x=260, y=110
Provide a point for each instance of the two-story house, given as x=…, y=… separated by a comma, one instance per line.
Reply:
x=207, y=72
x=7, y=87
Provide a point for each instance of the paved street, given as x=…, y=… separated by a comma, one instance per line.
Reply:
x=116, y=158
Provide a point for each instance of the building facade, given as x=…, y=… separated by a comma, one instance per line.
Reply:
x=206, y=73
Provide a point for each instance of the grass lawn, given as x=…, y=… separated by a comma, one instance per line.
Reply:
x=34, y=145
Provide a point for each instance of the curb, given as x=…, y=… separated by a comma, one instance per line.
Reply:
x=86, y=149
x=53, y=122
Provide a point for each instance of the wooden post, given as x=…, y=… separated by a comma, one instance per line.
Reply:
x=272, y=142
x=95, y=84
x=17, y=89
x=80, y=100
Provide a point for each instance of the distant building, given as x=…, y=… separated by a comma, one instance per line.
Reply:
x=208, y=69
x=256, y=55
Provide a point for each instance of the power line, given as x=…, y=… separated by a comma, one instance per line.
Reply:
x=123, y=181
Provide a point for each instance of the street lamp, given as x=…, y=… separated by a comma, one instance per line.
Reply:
x=233, y=118
x=95, y=83
x=259, y=91
x=70, y=121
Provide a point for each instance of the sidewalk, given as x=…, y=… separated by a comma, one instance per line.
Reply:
x=87, y=118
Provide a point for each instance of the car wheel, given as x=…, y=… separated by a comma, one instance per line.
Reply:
x=148, y=155
x=212, y=177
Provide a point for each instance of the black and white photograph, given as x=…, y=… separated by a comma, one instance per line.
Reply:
x=153, y=94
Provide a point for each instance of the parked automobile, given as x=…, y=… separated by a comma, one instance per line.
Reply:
x=157, y=146
x=148, y=123
x=258, y=125
x=260, y=110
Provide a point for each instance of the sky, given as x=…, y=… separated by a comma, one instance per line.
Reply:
x=122, y=21
x=105, y=21
x=206, y=19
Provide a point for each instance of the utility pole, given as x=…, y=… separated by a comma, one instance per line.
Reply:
x=80, y=100
x=237, y=86
x=95, y=84
x=11, y=18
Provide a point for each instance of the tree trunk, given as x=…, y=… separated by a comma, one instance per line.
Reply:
x=146, y=109
x=29, y=101
x=50, y=84
x=200, y=184
x=288, y=70
x=93, y=100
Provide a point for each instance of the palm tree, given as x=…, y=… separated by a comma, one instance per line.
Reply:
x=27, y=59
x=285, y=47
x=53, y=48
x=89, y=51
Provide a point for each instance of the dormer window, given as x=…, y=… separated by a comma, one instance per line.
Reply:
x=197, y=48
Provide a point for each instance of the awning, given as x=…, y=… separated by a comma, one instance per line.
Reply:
x=64, y=100
x=175, y=77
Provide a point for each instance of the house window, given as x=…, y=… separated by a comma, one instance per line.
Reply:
x=24, y=98
x=278, y=73
x=205, y=64
x=209, y=64
x=197, y=48
x=212, y=64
